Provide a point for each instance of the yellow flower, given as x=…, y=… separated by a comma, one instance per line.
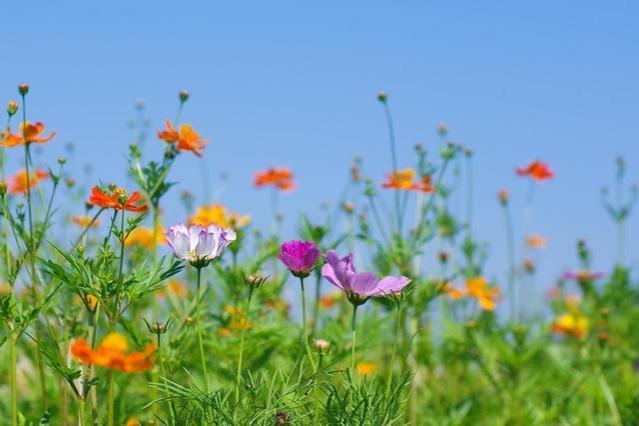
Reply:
x=366, y=368
x=92, y=302
x=236, y=320
x=536, y=241
x=218, y=215
x=572, y=323
x=133, y=422
x=143, y=236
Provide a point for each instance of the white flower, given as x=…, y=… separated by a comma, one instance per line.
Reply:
x=197, y=244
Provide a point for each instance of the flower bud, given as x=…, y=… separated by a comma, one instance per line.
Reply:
x=3, y=188
x=503, y=196
x=348, y=207
x=529, y=266
x=62, y=160
x=282, y=418
x=12, y=108
x=255, y=280
x=139, y=104
x=382, y=97
x=23, y=88
x=442, y=129
x=184, y=96
x=321, y=346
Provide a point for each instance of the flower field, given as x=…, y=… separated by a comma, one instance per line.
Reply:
x=380, y=313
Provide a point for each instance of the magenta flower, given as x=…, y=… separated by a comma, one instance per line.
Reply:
x=359, y=286
x=197, y=244
x=299, y=257
x=583, y=275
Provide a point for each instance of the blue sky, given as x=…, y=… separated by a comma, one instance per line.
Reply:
x=294, y=83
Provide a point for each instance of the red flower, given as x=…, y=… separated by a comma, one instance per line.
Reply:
x=118, y=200
x=537, y=170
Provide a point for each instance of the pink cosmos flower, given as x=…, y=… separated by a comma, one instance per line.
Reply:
x=583, y=275
x=359, y=286
x=197, y=244
x=299, y=257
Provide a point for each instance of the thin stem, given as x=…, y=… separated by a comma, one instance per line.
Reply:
x=511, y=262
x=318, y=372
x=353, y=338
x=238, y=377
x=111, y=400
x=13, y=380
x=304, y=332
x=199, y=330
x=389, y=379
x=393, y=150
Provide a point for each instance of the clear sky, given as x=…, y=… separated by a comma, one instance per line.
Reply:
x=294, y=83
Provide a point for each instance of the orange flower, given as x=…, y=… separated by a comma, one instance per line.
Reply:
x=174, y=287
x=218, y=215
x=17, y=184
x=143, y=236
x=478, y=289
x=280, y=177
x=366, y=368
x=118, y=200
x=29, y=133
x=536, y=241
x=572, y=323
x=112, y=353
x=85, y=221
x=187, y=138
x=537, y=170
x=403, y=180
x=237, y=321
x=329, y=301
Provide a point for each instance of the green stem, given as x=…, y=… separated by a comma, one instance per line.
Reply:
x=13, y=380
x=393, y=150
x=111, y=400
x=199, y=331
x=389, y=380
x=353, y=338
x=318, y=372
x=239, y=361
x=511, y=263
x=304, y=332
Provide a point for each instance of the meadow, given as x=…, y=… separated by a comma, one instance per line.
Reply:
x=111, y=316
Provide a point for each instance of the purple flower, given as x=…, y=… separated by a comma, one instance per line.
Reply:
x=299, y=257
x=359, y=286
x=197, y=244
x=582, y=275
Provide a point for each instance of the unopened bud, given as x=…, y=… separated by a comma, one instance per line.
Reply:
x=184, y=96
x=3, y=188
x=255, y=280
x=503, y=196
x=321, y=346
x=442, y=129
x=382, y=97
x=12, y=108
x=348, y=207
x=62, y=160
x=70, y=182
x=23, y=88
